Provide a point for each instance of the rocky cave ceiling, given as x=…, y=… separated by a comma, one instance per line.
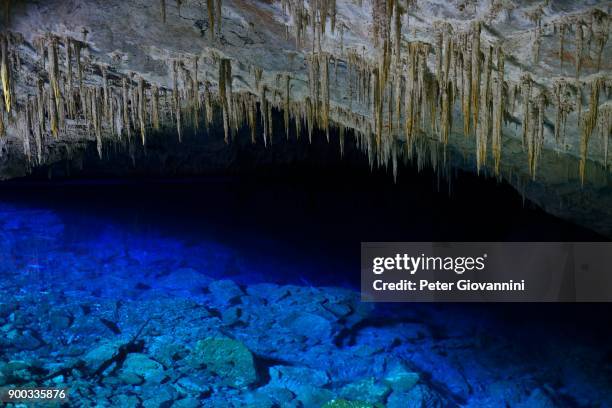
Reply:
x=518, y=90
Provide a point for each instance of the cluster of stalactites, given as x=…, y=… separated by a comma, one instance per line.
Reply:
x=590, y=121
x=311, y=15
x=591, y=32
x=107, y=103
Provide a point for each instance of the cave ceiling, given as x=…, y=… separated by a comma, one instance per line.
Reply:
x=518, y=90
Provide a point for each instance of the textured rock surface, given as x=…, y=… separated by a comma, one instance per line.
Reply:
x=270, y=47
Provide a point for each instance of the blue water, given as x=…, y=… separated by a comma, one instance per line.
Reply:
x=123, y=251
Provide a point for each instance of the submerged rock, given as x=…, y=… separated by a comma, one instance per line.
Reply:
x=293, y=378
x=229, y=359
x=402, y=381
x=368, y=390
x=225, y=291
x=311, y=326
x=138, y=365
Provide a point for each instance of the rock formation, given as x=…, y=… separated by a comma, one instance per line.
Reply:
x=519, y=90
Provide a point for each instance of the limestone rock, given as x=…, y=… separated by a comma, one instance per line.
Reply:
x=225, y=291
x=229, y=359
x=368, y=390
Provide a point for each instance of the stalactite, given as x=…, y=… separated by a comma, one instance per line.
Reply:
x=578, y=101
x=210, y=7
x=482, y=130
x=69, y=74
x=125, y=110
x=96, y=112
x=601, y=28
x=54, y=70
x=195, y=95
x=225, y=79
x=264, y=115
x=2, y=126
x=561, y=29
x=163, y=10
x=535, y=139
x=606, y=130
x=287, y=101
x=251, y=115
x=155, y=108
x=324, y=64
x=377, y=104
x=270, y=123
x=106, y=93
x=498, y=112
x=466, y=87
x=26, y=130
x=176, y=100
x=53, y=118
x=579, y=48
x=141, y=110
x=118, y=116
x=133, y=103
x=526, y=84
x=37, y=129
x=476, y=65
x=588, y=125
x=209, y=107
x=341, y=132
x=5, y=73
x=40, y=104
x=218, y=16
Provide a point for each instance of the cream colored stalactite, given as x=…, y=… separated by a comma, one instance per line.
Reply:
x=133, y=104
x=208, y=106
x=54, y=77
x=537, y=141
x=264, y=114
x=561, y=27
x=324, y=63
x=125, y=108
x=96, y=113
x=176, y=100
x=588, y=125
x=218, y=15
x=466, y=87
x=286, y=101
x=251, y=118
x=70, y=88
x=37, y=128
x=225, y=79
x=579, y=45
x=5, y=74
x=195, y=95
x=498, y=112
x=142, y=98
x=155, y=107
x=106, y=93
x=476, y=65
x=526, y=84
x=482, y=130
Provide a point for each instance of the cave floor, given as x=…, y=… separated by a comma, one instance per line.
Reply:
x=128, y=315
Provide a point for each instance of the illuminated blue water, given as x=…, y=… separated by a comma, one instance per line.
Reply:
x=131, y=255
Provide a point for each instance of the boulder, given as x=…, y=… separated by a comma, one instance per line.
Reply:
x=229, y=359
x=368, y=390
x=225, y=291
x=141, y=365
